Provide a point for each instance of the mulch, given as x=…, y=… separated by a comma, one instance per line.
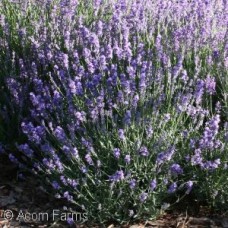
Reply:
x=28, y=196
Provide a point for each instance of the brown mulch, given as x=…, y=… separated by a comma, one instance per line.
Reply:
x=22, y=196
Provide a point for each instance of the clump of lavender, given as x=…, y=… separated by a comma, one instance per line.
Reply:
x=113, y=103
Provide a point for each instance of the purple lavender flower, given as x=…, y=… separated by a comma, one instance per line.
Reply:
x=196, y=159
x=72, y=86
x=66, y=150
x=26, y=149
x=208, y=140
x=143, y=151
x=59, y=164
x=63, y=179
x=116, y=153
x=70, y=221
x=75, y=153
x=126, y=86
x=153, y=184
x=143, y=196
x=88, y=159
x=226, y=137
x=55, y=185
x=189, y=186
x=94, y=41
x=192, y=143
x=210, y=85
x=149, y=132
x=68, y=196
x=127, y=117
x=172, y=188
x=99, y=28
x=60, y=134
x=35, y=134
x=142, y=83
x=84, y=169
x=132, y=184
x=121, y=134
x=211, y=165
x=165, y=156
x=117, y=177
x=199, y=90
x=176, y=169
x=131, y=71
x=135, y=100
x=49, y=164
x=185, y=133
x=167, y=117
x=13, y=159
x=79, y=88
x=127, y=159
x=74, y=183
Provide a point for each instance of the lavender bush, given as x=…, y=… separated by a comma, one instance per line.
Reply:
x=119, y=105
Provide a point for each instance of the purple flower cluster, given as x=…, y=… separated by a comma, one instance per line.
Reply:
x=153, y=184
x=143, y=196
x=118, y=176
x=208, y=141
x=165, y=156
x=143, y=151
x=172, y=188
x=116, y=153
x=176, y=169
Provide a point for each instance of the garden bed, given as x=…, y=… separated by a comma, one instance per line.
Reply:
x=116, y=108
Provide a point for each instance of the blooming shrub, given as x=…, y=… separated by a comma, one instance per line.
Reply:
x=119, y=105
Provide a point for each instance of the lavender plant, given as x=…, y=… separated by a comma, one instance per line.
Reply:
x=121, y=104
